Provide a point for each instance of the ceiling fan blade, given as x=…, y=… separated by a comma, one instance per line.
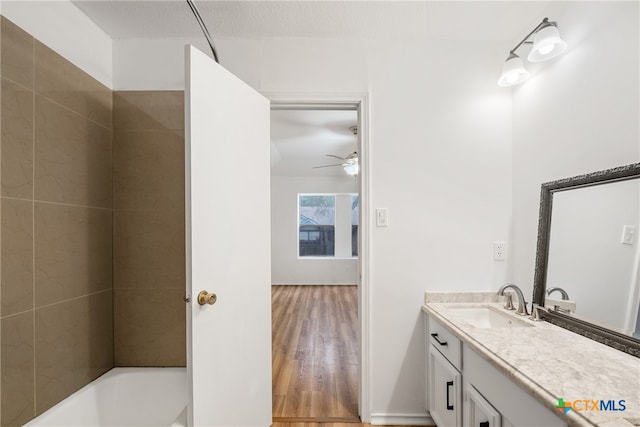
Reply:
x=326, y=166
x=335, y=157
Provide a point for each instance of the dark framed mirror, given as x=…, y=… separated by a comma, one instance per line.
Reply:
x=588, y=246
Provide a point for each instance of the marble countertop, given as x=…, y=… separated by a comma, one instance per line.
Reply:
x=547, y=361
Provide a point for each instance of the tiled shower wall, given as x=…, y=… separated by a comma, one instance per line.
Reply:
x=91, y=228
x=149, y=250
x=56, y=313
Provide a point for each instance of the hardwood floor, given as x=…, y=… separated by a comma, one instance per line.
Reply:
x=315, y=355
x=328, y=425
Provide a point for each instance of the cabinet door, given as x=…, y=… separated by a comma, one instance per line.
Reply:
x=444, y=391
x=517, y=407
x=478, y=412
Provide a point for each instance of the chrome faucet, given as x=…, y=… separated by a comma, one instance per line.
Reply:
x=535, y=312
x=565, y=295
x=522, y=304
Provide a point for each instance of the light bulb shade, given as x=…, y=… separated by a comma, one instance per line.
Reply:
x=547, y=44
x=513, y=72
x=352, y=169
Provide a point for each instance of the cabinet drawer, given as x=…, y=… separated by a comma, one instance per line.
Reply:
x=447, y=343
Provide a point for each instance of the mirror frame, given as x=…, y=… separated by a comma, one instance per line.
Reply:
x=598, y=333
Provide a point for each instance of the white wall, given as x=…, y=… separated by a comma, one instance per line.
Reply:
x=586, y=256
x=442, y=165
x=577, y=114
x=440, y=150
x=69, y=32
x=286, y=267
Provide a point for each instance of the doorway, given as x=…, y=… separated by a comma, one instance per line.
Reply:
x=317, y=285
x=315, y=353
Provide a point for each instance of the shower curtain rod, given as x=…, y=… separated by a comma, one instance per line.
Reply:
x=207, y=36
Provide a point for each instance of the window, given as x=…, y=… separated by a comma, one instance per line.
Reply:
x=328, y=225
x=309, y=235
x=317, y=217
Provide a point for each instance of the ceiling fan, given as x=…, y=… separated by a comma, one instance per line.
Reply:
x=350, y=162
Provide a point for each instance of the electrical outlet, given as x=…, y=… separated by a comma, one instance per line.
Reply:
x=628, y=235
x=499, y=251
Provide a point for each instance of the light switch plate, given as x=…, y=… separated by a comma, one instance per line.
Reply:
x=382, y=217
x=628, y=235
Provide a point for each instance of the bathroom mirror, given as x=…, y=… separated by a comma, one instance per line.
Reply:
x=588, y=245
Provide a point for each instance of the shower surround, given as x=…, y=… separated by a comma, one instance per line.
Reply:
x=91, y=228
x=56, y=227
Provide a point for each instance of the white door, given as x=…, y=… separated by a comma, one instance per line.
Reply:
x=228, y=247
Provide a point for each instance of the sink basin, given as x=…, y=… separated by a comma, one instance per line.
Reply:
x=487, y=317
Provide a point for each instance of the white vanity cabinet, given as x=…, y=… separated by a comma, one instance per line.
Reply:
x=444, y=356
x=463, y=389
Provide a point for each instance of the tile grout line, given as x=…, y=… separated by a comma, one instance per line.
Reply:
x=72, y=299
x=1, y=283
x=56, y=203
x=15, y=83
x=54, y=101
x=56, y=303
x=166, y=130
x=113, y=239
x=33, y=217
x=71, y=110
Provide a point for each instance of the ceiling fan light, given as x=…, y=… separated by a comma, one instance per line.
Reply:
x=513, y=72
x=547, y=44
x=352, y=169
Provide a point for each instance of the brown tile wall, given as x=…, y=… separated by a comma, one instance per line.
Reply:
x=56, y=222
x=148, y=225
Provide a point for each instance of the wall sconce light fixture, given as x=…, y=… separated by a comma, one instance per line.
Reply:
x=546, y=43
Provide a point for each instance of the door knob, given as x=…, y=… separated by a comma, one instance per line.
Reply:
x=205, y=297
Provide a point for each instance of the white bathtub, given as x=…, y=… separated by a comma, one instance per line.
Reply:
x=133, y=397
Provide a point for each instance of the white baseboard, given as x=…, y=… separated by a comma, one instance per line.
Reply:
x=401, y=420
x=312, y=284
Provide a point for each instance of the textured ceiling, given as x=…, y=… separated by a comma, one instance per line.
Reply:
x=474, y=20
x=300, y=140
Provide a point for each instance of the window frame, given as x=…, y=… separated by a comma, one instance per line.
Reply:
x=325, y=257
